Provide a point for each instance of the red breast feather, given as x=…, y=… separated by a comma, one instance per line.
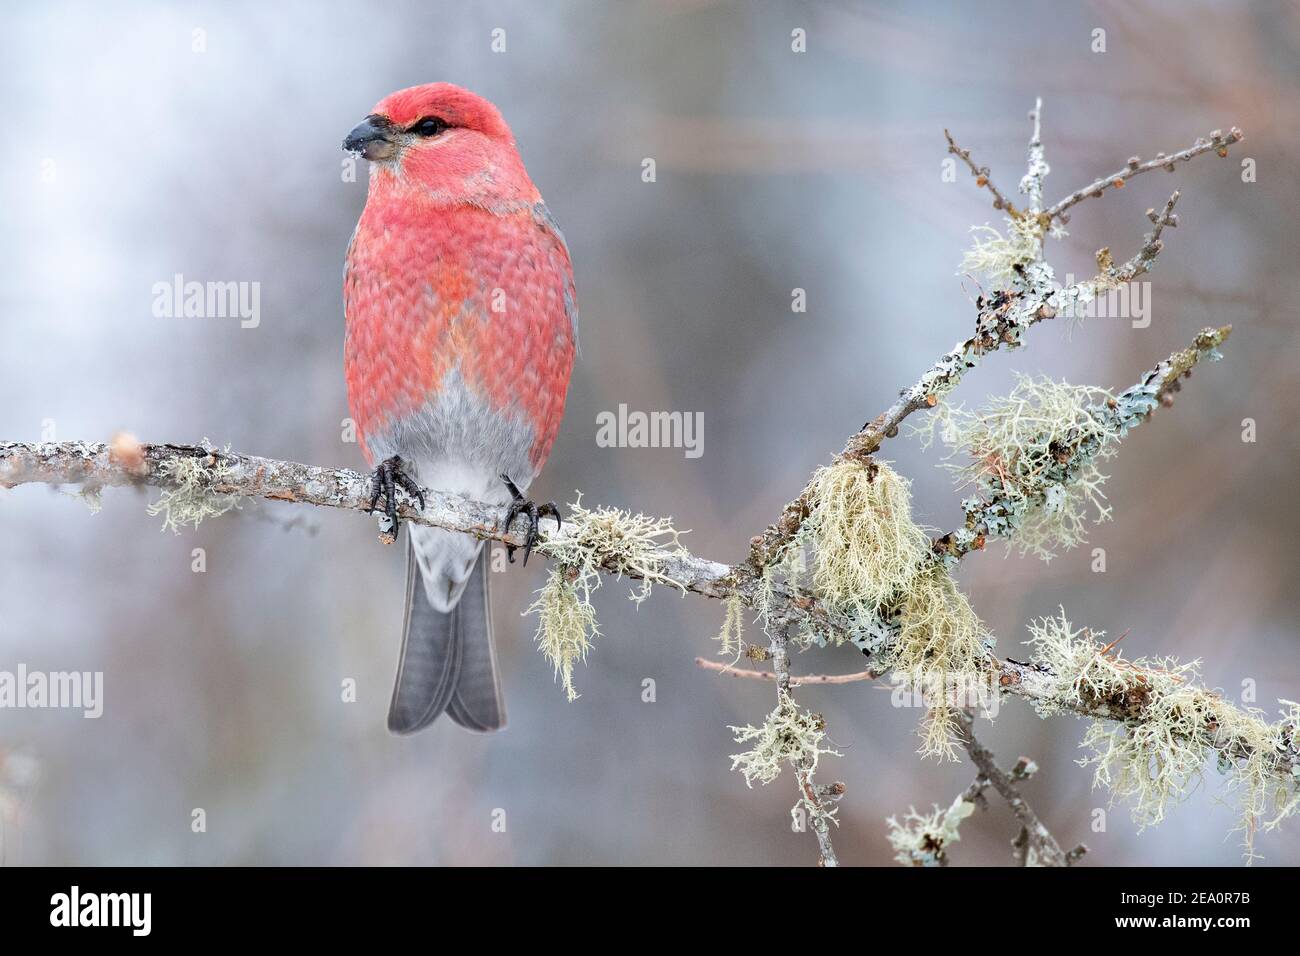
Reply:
x=434, y=288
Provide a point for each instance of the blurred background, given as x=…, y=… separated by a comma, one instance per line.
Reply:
x=144, y=141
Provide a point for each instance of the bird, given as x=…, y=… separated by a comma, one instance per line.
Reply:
x=461, y=330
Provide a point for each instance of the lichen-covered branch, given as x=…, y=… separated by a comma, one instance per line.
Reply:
x=816, y=799
x=223, y=473
x=1000, y=512
x=1032, y=183
x=1002, y=319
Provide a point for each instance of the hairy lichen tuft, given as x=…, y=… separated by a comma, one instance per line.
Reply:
x=1000, y=258
x=1033, y=456
x=190, y=499
x=867, y=548
x=942, y=645
x=566, y=623
x=1167, y=728
x=788, y=735
x=731, y=638
x=591, y=541
x=617, y=541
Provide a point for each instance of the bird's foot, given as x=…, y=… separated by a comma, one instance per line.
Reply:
x=389, y=476
x=522, y=506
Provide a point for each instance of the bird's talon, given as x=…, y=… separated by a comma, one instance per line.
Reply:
x=522, y=506
x=390, y=475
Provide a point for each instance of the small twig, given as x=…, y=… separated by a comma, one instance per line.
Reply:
x=1152, y=243
x=1217, y=142
x=981, y=174
x=1032, y=184
x=795, y=680
x=1034, y=834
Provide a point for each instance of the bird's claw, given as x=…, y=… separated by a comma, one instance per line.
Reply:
x=520, y=505
x=389, y=476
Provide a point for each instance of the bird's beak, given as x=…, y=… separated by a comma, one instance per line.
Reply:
x=373, y=138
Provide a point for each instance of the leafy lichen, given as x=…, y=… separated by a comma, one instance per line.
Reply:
x=923, y=839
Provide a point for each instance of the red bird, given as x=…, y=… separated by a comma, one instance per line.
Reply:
x=461, y=330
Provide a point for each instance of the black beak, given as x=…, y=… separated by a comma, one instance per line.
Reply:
x=373, y=138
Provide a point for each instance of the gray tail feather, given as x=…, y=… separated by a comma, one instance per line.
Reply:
x=448, y=660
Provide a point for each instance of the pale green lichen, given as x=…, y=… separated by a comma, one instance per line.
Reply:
x=1001, y=258
x=941, y=645
x=788, y=735
x=731, y=638
x=1033, y=455
x=1167, y=729
x=590, y=542
x=566, y=624
x=924, y=839
x=190, y=498
x=92, y=496
x=616, y=541
x=867, y=547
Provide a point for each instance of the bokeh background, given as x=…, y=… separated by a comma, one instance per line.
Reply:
x=131, y=156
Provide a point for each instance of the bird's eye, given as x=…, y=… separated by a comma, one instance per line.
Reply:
x=429, y=126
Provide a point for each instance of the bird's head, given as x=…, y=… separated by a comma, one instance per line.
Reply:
x=444, y=142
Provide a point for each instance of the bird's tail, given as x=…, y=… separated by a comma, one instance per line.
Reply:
x=448, y=658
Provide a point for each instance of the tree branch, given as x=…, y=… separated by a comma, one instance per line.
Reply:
x=1036, y=837
x=796, y=680
x=218, y=472
x=981, y=174
x=1217, y=141
x=1003, y=318
x=814, y=797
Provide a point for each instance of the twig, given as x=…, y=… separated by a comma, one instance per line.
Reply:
x=1217, y=142
x=1032, y=183
x=981, y=174
x=1046, y=851
x=796, y=680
